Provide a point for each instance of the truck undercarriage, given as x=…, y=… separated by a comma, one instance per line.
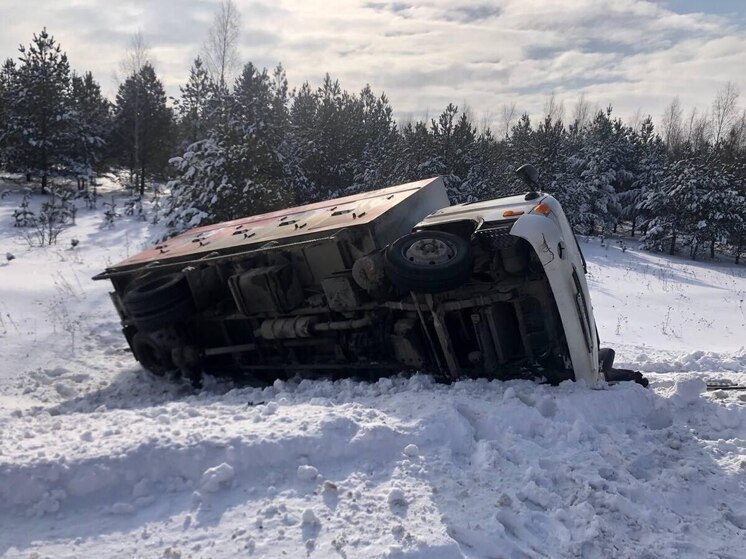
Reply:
x=344, y=288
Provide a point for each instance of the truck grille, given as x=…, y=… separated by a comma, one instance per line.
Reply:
x=496, y=234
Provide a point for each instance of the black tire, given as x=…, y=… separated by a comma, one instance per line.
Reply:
x=160, y=301
x=153, y=294
x=177, y=312
x=151, y=355
x=410, y=269
x=606, y=359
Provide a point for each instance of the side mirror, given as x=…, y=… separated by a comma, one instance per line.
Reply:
x=528, y=174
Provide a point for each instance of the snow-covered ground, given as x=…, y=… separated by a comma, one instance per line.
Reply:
x=98, y=459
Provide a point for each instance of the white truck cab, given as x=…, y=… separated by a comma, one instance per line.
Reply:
x=540, y=220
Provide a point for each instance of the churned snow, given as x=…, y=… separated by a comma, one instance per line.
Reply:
x=100, y=459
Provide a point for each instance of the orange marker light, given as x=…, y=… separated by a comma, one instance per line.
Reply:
x=511, y=213
x=543, y=209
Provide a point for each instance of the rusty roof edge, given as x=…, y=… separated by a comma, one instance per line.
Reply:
x=260, y=224
x=156, y=265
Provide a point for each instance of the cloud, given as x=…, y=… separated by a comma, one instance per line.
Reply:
x=628, y=53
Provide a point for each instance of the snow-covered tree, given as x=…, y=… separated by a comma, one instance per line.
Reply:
x=521, y=149
x=418, y=158
x=242, y=168
x=40, y=106
x=675, y=206
x=261, y=146
x=649, y=160
x=486, y=169
x=8, y=131
x=602, y=167
x=444, y=150
x=90, y=125
x=378, y=161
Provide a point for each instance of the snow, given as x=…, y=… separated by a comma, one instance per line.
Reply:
x=665, y=314
x=307, y=473
x=100, y=459
x=217, y=478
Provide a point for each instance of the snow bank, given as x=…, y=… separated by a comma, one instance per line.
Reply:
x=656, y=361
x=413, y=469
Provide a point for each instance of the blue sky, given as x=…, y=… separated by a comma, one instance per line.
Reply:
x=632, y=54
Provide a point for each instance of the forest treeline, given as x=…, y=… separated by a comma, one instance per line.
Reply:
x=240, y=141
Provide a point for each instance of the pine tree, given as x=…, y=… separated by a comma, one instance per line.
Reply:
x=143, y=125
x=485, y=169
x=330, y=127
x=259, y=118
x=203, y=176
x=40, y=106
x=731, y=154
x=377, y=163
x=8, y=129
x=650, y=153
x=674, y=205
x=196, y=105
x=521, y=149
x=330, y=169
x=303, y=114
x=90, y=126
x=246, y=164
x=443, y=147
x=417, y=153
x=602, y=168
x=721, y=211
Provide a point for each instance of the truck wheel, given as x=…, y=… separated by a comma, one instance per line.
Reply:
x=429, y=261
x=151, y=355
x=158, y=302
x=161, y=319
x=156, y=293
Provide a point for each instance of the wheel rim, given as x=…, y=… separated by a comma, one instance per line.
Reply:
x=430, y=252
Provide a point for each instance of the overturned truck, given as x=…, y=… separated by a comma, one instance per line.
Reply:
x=368, y=285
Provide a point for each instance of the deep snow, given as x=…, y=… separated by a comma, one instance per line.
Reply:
x=98, y=459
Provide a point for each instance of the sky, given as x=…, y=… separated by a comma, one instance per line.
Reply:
x=635, y=55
